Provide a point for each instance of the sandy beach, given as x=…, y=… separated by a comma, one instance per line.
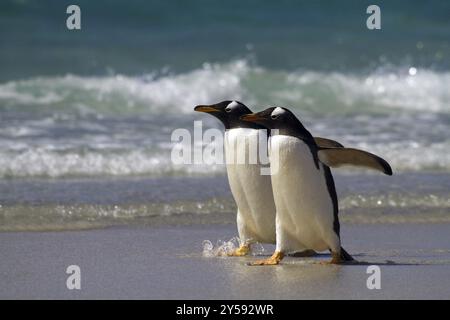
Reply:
x=166, y=262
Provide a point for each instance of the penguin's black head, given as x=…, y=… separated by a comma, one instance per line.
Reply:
x=281, y=119
x=229, y=113
x=274, y=118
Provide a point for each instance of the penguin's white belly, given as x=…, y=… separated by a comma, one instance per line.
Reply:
x=251, y=190
x=305, y=213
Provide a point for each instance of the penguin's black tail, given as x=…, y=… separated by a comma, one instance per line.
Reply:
x=345, y=256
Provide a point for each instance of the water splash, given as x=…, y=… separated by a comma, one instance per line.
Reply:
x=226, y=247
x=221, y=248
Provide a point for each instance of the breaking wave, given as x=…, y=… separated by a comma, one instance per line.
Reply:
x=121, y=125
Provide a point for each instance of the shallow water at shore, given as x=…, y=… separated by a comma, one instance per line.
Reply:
x=70, y=204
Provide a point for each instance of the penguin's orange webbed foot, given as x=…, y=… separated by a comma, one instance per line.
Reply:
x=335, y=259
x=272, y=261
x=240, y=252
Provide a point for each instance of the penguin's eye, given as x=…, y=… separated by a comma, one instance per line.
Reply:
x=274, y=116
x=227, y=109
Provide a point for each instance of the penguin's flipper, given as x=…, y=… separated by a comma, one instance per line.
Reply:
x=327, y=143
x=336, y=157
x=272, y=261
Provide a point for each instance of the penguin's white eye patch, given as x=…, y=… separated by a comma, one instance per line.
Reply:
x=276, y=112
x=231, y=106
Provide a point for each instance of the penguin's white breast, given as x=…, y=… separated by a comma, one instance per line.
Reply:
x=251, y=190
x=304, y=206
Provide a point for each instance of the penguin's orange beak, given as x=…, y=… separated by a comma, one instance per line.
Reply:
x=252, y=117
x=207, y=109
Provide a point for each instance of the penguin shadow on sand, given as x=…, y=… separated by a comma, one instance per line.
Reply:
x=222, y=248
x=310, y=257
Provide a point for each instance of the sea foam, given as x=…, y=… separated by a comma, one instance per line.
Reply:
x=119, y=125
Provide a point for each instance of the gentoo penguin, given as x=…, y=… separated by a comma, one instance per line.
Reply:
x=251, y=190
x=303, y=186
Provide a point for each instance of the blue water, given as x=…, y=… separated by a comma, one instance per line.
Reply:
x=141, y=37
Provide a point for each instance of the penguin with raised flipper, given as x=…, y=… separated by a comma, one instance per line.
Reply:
x=303, y=186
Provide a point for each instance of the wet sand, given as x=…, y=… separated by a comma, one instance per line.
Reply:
x=166, y=262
